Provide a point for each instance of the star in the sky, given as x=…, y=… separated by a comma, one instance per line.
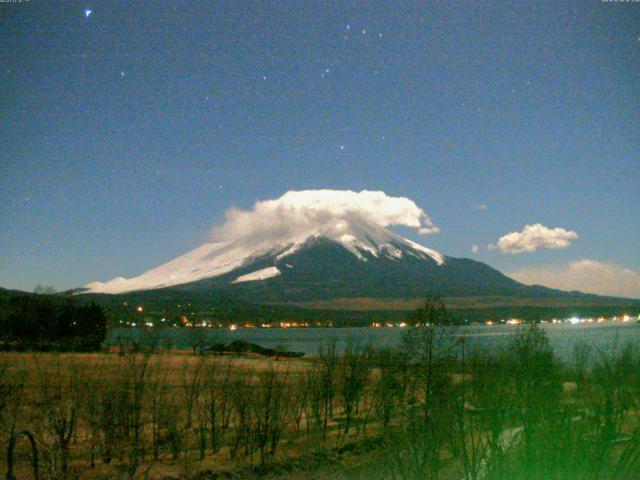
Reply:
x=87, y=12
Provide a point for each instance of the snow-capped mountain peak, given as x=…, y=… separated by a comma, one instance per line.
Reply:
x=211, y=260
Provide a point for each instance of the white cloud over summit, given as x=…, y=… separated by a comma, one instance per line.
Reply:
x=303, y=213
x=533, y=237
x=585, y=275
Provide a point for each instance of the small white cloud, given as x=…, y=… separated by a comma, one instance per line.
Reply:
x=585, y=275
x=429, y=230
x=474, y=248
x=481, y=206
x=533, y=237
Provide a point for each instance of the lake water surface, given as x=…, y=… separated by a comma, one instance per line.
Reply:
x=603, y=337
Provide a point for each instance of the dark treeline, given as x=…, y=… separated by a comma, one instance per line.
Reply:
x=46, y=322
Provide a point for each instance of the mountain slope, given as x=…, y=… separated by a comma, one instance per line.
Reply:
x=360, y=260
x=357, y=240
x=324, y=269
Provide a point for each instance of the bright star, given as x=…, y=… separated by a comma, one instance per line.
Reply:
x=88, y=12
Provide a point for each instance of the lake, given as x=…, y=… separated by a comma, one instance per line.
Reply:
x=603, y=337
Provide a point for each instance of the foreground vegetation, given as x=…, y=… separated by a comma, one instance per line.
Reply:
x=429, y=410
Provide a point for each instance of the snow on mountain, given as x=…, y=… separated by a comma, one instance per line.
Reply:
x=261, y=274
x=274, y=229
x=215, y=259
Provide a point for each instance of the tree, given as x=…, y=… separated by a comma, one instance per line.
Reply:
x=196, y=338
x=44, y=289
x=91, y=326
x=425, y=348
x=30, y=319
x=47, y=322
x=432, y=312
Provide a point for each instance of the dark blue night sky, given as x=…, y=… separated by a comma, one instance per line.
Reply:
x=128, y=128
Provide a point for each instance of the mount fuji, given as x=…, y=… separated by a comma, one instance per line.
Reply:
x=323, y=249
x=349, y=259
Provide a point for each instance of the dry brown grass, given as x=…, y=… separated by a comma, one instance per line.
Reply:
x=57, y=387
x=107, y=415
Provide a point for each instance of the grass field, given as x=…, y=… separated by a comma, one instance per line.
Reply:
x=432, y=410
